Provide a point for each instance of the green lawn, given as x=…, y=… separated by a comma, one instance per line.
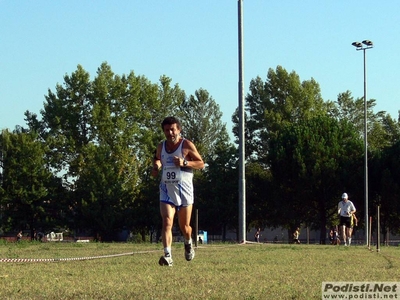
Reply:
x=219, y=271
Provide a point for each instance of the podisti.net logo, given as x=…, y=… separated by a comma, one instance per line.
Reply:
x=360, y=290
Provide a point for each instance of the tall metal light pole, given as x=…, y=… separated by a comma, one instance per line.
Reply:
x=242, y=178
x=366, y=44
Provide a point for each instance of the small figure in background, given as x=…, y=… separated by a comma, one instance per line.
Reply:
x=346, y=209
x=257, y=235
x=19, y=236
x=296, y=235
x=334, y=236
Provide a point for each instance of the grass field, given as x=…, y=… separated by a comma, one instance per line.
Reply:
x=219, y=271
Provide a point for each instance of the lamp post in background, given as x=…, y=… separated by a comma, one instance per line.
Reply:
x=242, y=170
x=366, y=44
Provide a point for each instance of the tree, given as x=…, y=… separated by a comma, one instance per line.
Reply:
x=260, y=212
x=385, y=188
x=278, y=102
x=102, y=134
x=281, y=100
x=25, y=182
x=217, y=191
x=201, y=122
x=383, y=131
x=312, y=162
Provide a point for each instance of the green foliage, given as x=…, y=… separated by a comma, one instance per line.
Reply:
x=313, y=158
x=385, y=188
x=201, y=122
x=86, y=163
x=260, y=211
x=101, y=135
x=383, y=131
x=281, y=100
x=312, y=162
x=216, y=191
x=26, y=181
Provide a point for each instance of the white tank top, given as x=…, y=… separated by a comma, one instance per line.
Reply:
x=176, y=185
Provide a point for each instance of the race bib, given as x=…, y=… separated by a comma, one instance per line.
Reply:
x=171, y=175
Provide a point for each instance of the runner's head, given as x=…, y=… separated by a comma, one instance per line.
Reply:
x=345, y=197
x=172, y=129
x=170, y=121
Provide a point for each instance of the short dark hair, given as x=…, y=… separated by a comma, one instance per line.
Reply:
x=170, y=121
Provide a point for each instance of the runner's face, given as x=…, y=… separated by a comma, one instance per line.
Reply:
x=172, y=133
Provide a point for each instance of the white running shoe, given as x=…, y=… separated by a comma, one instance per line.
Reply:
x=166, y=261
x=189, y=252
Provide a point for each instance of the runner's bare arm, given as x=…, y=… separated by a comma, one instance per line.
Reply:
x=192, y=156
x=156, y=161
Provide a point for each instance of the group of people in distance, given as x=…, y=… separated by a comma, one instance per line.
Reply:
x=348, y=220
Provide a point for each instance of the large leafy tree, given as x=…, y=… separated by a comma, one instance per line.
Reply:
x=383, y=130
x=282, y=99
x=312, y=162
x=383, y=135
x=260, y=212
x=103, y=193
x=385, y=178
x=202, y=124
x=102, y=134
x=144, y=214
x=25, y=187
x=217, y=191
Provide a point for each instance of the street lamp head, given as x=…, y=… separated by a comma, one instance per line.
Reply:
x=368, y=43
x=357, y=44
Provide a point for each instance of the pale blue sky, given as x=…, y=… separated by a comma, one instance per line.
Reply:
x=195, y=43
